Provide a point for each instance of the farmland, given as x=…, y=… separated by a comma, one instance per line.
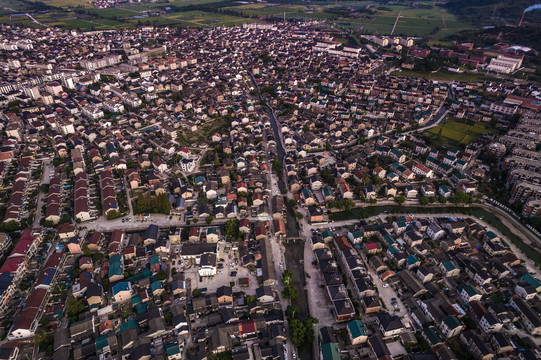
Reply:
x=460, y=132
x=349, y=15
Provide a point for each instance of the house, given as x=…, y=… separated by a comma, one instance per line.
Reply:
x=330, y=351
x=264, y=294
x=435, y=232
x=115, y=268
x=357, y=332
x=525, y=290
x=212, y=235
x=151, y=234
x=224, y=295
x=371, y=304
x=529, y=317
x=207, y=264
x=448, y=268
x=451, y=326
x=469, y=293
x=489, y=323
x=355, y=236
x=389, y=325
x=122, y=292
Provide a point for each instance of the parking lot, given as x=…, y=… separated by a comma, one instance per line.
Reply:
x=228, y=270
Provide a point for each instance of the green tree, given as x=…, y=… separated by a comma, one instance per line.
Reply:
x=297, y=332
x=291, y=312
x=461, y=197
x=400, y=200
x=196, y=293
x=292, y=202
x=299, y=215
x=286, y=277
x=75, y=306
x=423, y=200
x=290, y=292
x=86, y=250
x=209, y=219
x=232, y=229
x=327, y=176
x=442, y=199
x=162, y=275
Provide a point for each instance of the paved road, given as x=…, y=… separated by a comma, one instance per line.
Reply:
x=45, y=179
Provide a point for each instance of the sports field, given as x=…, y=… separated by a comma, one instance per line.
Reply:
x=460, y=132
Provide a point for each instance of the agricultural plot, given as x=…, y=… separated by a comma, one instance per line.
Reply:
x=460, y=132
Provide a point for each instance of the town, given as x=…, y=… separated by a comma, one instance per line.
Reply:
x=264, y=192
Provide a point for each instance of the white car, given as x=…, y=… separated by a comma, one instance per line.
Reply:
x=385, y=285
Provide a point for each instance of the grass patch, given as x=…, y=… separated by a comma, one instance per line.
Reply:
x=203, y=133
x=460, y=132
x=445, y=75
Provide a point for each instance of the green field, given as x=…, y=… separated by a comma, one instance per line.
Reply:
x=460, y=132
x=445, y=75
x=348, y=15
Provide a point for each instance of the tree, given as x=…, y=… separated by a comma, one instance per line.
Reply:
x=292, y=202
x=461, y=197
x=48, y=224
x=442, y=199
x=423, y=200
x=291, y=312
x=86, y=250
x=232, y=229
x=327, y=176
x=75, y=306
x=299, y=215
x=162, y=275
x=400, y=200
x=297, y=331
x=290, y=292
x=286, y=277
x=209, y=219
x=97, y=257
x=196, y=293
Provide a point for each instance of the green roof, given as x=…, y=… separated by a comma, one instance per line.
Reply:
x=356, y=328
x=172, y=349
x=102, y=342
x=531, y=280
x=470, y=290
x=452, y=322
x=136, y=299
x=128, y=324
x=431, y=335
x=115, y=267
x=156, y=286
x=140, y=276
x=330, y=351
x=448, y=265
x=154, y=260
x=327, y=234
